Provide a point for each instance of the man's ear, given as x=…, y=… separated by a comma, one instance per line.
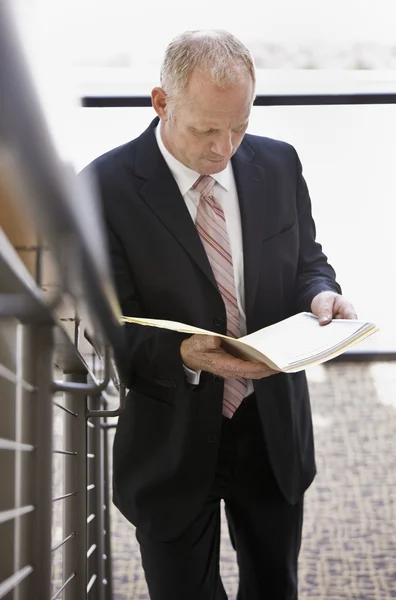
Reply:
x=159, y=102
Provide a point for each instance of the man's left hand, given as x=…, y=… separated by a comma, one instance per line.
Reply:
x=330, y=305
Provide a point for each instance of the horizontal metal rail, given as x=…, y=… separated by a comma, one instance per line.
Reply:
x=64, y=496
x=68, y=580
x=63, y=542
x=88, y=388
x=8, y=515
x=12, y=378
x=67, y=410
x=11, y=445
x=9, y=584
x=91, y=582
x=91, y=550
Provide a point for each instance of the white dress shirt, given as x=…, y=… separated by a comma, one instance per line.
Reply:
x=225, y=193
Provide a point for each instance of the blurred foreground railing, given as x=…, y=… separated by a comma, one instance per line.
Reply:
x=55, y=386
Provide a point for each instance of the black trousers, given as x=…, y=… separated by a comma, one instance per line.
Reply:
x=265, y=530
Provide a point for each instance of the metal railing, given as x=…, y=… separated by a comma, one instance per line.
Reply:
x=30, y=397
x=36, y=344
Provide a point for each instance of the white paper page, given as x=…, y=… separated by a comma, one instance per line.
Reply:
x=300, y=337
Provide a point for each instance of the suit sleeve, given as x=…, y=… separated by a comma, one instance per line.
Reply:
x=315, y=274
x=153, y=354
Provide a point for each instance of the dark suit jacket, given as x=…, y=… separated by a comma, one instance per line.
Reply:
x=166, y=441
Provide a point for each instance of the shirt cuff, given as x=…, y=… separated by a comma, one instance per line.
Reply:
x=193, y=377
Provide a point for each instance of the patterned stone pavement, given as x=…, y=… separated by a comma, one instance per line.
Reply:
x=349, y=542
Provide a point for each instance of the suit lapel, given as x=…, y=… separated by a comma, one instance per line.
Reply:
x=161, y=192
x=253, y=202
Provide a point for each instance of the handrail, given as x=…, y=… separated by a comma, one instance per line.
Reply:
x=60, y=204
x=16, y=277
x=63, y=210
x=9, y=584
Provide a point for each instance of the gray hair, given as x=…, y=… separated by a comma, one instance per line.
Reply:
x=216, y=53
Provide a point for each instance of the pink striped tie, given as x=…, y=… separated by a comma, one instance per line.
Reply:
x=212, y=229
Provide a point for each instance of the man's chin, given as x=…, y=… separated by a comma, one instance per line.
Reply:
x=215, y=166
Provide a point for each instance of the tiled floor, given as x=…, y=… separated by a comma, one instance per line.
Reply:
x=349, y=543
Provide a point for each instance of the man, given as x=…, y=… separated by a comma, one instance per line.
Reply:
x=211, y=226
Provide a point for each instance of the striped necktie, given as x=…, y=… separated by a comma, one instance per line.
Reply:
x=212, y=229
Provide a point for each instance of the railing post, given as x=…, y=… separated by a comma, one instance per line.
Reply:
x=34, y=470
x=8, y=350
x=106, y=497
x=96, y=501
x=75, y=509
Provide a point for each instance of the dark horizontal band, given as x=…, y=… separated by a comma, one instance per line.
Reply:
x=261, y=100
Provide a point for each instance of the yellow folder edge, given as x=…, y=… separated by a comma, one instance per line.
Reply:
x=171, y=325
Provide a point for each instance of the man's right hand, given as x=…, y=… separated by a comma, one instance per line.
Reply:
x=204, y=353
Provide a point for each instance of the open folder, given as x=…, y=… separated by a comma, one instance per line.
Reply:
x=290, y=345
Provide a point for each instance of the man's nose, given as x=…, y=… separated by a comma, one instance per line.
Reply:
x=222, y=145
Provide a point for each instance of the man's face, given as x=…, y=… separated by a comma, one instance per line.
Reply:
x=208, y=124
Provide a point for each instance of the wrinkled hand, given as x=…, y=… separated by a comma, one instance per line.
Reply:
x=330, y=305
x=202, y=352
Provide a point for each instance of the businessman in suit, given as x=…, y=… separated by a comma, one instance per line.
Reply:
x=211, y=226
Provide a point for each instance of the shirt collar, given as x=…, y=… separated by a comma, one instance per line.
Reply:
x=185, y=177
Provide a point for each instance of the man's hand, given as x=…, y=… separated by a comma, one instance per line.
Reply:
x=329, y=305
x=202, y=352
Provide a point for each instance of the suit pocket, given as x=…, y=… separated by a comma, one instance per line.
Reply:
x=152, y=394
x=283, y=234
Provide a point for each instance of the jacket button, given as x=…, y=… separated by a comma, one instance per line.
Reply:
x=211, y=438
x=218, y=322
